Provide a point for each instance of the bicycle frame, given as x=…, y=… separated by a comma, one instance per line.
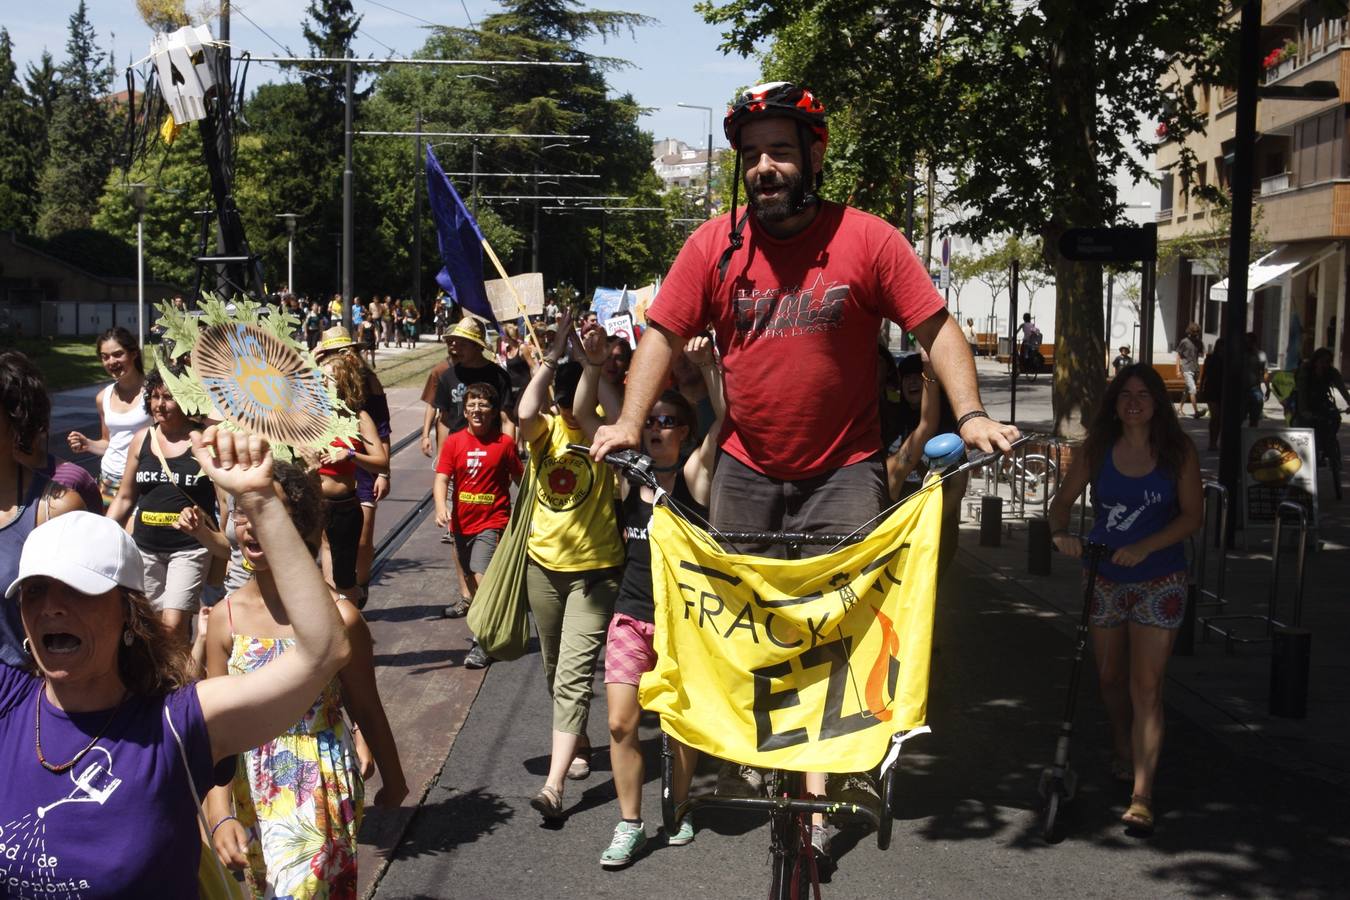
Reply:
x=787, y=809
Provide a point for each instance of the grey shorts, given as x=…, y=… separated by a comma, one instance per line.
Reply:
x=475, y=550
x=1189, y=377
x=175, y=580
x=834, y=502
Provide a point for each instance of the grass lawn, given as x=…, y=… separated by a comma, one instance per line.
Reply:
x=65, y=362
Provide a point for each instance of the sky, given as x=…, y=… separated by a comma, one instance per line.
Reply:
x=675, y=59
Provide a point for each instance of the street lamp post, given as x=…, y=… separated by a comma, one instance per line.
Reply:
x=707, y=189
x=138, y=198
x=290, y=249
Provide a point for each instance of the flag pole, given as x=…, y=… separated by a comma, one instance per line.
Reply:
x=487, y=248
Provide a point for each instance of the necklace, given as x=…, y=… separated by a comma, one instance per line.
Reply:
x=37, y=736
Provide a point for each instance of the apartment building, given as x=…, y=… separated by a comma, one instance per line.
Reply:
x=1301, y=187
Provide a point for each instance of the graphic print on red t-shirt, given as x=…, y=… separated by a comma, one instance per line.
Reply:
x=482, y=471
x=796, y=323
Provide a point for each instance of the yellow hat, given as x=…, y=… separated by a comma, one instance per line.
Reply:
x=332, y=340
x=470, y=329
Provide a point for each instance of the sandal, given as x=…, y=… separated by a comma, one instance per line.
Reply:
x=1122, y=770
x=549, y=803
x=580, y=767
x=1138, y=819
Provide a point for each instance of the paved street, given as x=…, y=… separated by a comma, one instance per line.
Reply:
x=1232, y=822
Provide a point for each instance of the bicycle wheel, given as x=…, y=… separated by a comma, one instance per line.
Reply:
x=887, y=809
x=667, y=780
x=1039, y=473
x=1050, y=824
x=784, y=840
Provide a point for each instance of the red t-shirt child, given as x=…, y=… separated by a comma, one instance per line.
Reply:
x=796, y=323
x=481, y=470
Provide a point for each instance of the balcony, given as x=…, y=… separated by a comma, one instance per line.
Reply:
x=1312, y=43
x=1273, y=184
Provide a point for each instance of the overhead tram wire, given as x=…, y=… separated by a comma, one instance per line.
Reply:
x=237, y=9
x=408, y=15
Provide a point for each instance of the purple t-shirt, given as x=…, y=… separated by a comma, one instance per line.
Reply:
x=122, y=822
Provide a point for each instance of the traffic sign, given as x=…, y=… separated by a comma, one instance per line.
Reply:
x=1120, y=244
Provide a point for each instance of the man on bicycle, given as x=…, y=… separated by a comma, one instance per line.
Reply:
x=1030, y=348
x=1314, y=404
x=796, y=288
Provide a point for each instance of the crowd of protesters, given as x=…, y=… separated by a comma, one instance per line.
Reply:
x=239, y=709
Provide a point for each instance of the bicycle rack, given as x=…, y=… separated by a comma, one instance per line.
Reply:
x=1269, y=619
x=1204, y=595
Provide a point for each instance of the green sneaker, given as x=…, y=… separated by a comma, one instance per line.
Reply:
x=684, y=834
x=628, y=840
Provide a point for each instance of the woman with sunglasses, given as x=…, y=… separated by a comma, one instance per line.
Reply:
x=666, y=433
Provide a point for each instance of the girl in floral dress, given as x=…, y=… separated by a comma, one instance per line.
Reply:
x=291, y=816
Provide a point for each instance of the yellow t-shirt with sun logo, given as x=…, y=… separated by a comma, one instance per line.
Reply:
x=573, y=527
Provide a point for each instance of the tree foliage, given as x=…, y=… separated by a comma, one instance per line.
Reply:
x=19, y=132
x=81, y=133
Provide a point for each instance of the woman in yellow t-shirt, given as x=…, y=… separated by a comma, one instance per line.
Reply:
x=575, y=555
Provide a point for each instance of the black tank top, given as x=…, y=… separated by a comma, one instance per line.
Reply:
x=159, y=501
x=635, y=593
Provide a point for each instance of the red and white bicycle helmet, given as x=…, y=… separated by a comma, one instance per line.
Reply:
x=775, y=98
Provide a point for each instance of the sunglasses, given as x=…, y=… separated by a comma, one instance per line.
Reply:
x=662, y=421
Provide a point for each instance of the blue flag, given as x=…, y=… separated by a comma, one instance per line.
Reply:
x=460, y=241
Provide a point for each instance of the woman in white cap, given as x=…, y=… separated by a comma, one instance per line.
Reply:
x=106, y=743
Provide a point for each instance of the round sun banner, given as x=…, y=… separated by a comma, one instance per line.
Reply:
x=263, y=385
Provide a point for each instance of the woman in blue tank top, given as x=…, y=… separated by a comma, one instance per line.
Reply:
x=1146, y=499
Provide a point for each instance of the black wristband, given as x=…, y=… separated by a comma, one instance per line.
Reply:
x=973, y=414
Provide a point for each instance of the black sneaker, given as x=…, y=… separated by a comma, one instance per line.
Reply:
x=858, y=788
x=456, y=610
x=477, y=658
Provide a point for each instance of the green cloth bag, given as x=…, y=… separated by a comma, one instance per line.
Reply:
x=499, y=615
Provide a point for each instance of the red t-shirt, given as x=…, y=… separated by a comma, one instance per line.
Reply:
x=481, y=471
x=796, y=324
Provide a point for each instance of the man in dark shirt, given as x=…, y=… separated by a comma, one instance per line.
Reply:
x=465, y=364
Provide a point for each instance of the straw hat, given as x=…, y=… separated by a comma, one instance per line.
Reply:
x=332, y=340
x=470, y=329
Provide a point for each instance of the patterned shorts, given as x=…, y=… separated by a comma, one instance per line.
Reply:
x=628, y=650
x=1160, y=602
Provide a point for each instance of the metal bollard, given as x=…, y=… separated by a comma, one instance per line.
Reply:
x=1038, y=546
x=1290, y=658
x=991, y=521
x=1185, y=642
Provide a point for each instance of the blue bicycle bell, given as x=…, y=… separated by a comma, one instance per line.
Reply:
x=943, y=451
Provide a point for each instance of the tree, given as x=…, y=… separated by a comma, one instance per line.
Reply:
x=1032, y=106
x=81, y=134
x=43, y=82
x=962, y=270
x=18, y=157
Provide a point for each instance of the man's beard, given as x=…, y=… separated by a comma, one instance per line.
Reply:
x=782, y=207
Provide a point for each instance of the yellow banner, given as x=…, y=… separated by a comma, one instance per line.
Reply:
x=810, y=665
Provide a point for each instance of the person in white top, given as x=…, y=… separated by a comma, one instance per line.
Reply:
x=121, y=409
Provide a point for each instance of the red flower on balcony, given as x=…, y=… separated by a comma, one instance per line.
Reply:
x=1273, y=59
x=1161, y=130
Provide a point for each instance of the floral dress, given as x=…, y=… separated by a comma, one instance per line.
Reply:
x=300, y=795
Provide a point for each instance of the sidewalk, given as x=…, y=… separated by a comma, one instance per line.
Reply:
x=1226, y=693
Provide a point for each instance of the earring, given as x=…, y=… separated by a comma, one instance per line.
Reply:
x=127, y=637
x=27, y=647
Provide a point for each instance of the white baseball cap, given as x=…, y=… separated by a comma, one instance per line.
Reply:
x=90, y=553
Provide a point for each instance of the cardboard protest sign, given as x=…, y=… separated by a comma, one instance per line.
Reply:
x=812, y=664
x=622, y=326
x=639, y=300
x=608, y=302
x=529, y=287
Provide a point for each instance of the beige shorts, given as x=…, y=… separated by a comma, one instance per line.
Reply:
x=175, y=580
